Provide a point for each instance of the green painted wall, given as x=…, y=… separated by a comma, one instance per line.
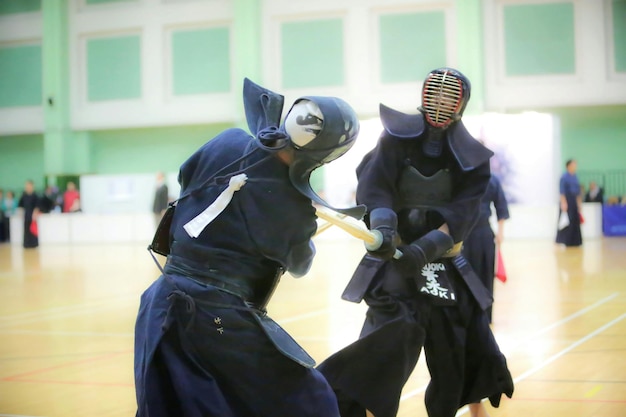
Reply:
x=89, y=2
x=402, y=38
x=20, y=76
x=111, y=151
x=312, y=53
x=470, y=56
x=594, y=136
x=65, y=152
x=201, y=61
x=114, y=68
x=21, y=158
x=539, y=39
x=246, y=46
x=147, y=150
x=619, y=34
x=19, y=6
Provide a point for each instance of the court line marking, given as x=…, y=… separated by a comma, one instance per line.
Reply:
x=564, y=320
x=531, y=337
x=301, y=316
x=23, y=375
x=118, y=334
x=61, y=312
x=66, y=333
x=66, y=311
x=569, y=348
x=593, y=391
x=571, y=400
x=73, y=310
x=16, y=415
x=85, y=304
x=81, y=383
x=558, y=355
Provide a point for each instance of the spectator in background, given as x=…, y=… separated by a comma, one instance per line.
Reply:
x=9, y=207
x=2, y=236
x=612, y=200
x=479, y=248
x=570, y=203
x=161, y=198
x=30, y=201
x=48, y=200
x=595, y=193
x=71, y=198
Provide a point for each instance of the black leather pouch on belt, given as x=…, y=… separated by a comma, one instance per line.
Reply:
x=162, y=238
x=261, y=294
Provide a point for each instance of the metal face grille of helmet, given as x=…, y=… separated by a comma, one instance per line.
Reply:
x=444, y=97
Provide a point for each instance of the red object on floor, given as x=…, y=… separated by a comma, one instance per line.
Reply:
x=33, y=228
x=500, y=270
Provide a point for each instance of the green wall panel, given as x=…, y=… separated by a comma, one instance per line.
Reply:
x=411, y=45
x=539, y=39
x=619, y=34
x=20, y=76
x=114, y=68
x=147, y=150
x=312, y=53
x=21, y=158
x=201, y=61
x=108, y=1
x=19, y=6
x=594, y=136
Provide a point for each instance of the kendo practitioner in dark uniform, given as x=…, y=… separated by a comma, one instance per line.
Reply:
x=479, y=248
x=422, y=186
x=30, y=202
x=570, y=202
x=204, y=343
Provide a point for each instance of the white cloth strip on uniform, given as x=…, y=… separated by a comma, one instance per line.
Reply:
x=196, y=225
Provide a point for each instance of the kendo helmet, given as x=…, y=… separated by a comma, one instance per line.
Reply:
x=445, y=94
x=319, y=129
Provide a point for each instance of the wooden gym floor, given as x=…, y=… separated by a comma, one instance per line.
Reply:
x=67, y=316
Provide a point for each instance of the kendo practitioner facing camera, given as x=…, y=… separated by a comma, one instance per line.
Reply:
x=422, y=185
x=204, y=344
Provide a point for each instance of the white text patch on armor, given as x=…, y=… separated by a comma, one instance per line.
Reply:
x=433, y=287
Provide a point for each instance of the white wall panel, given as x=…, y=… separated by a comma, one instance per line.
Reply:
x=361, y=36
x=594, y=82
x=156, y=107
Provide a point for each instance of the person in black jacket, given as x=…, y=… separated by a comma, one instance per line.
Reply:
x=29, y=202
x=422, y=186
x=570, y=207
x=595, y=194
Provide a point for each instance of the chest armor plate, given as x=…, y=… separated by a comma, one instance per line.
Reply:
x=419, y=191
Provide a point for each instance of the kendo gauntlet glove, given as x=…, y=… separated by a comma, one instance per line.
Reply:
x=426, y=249
x=385, y=222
